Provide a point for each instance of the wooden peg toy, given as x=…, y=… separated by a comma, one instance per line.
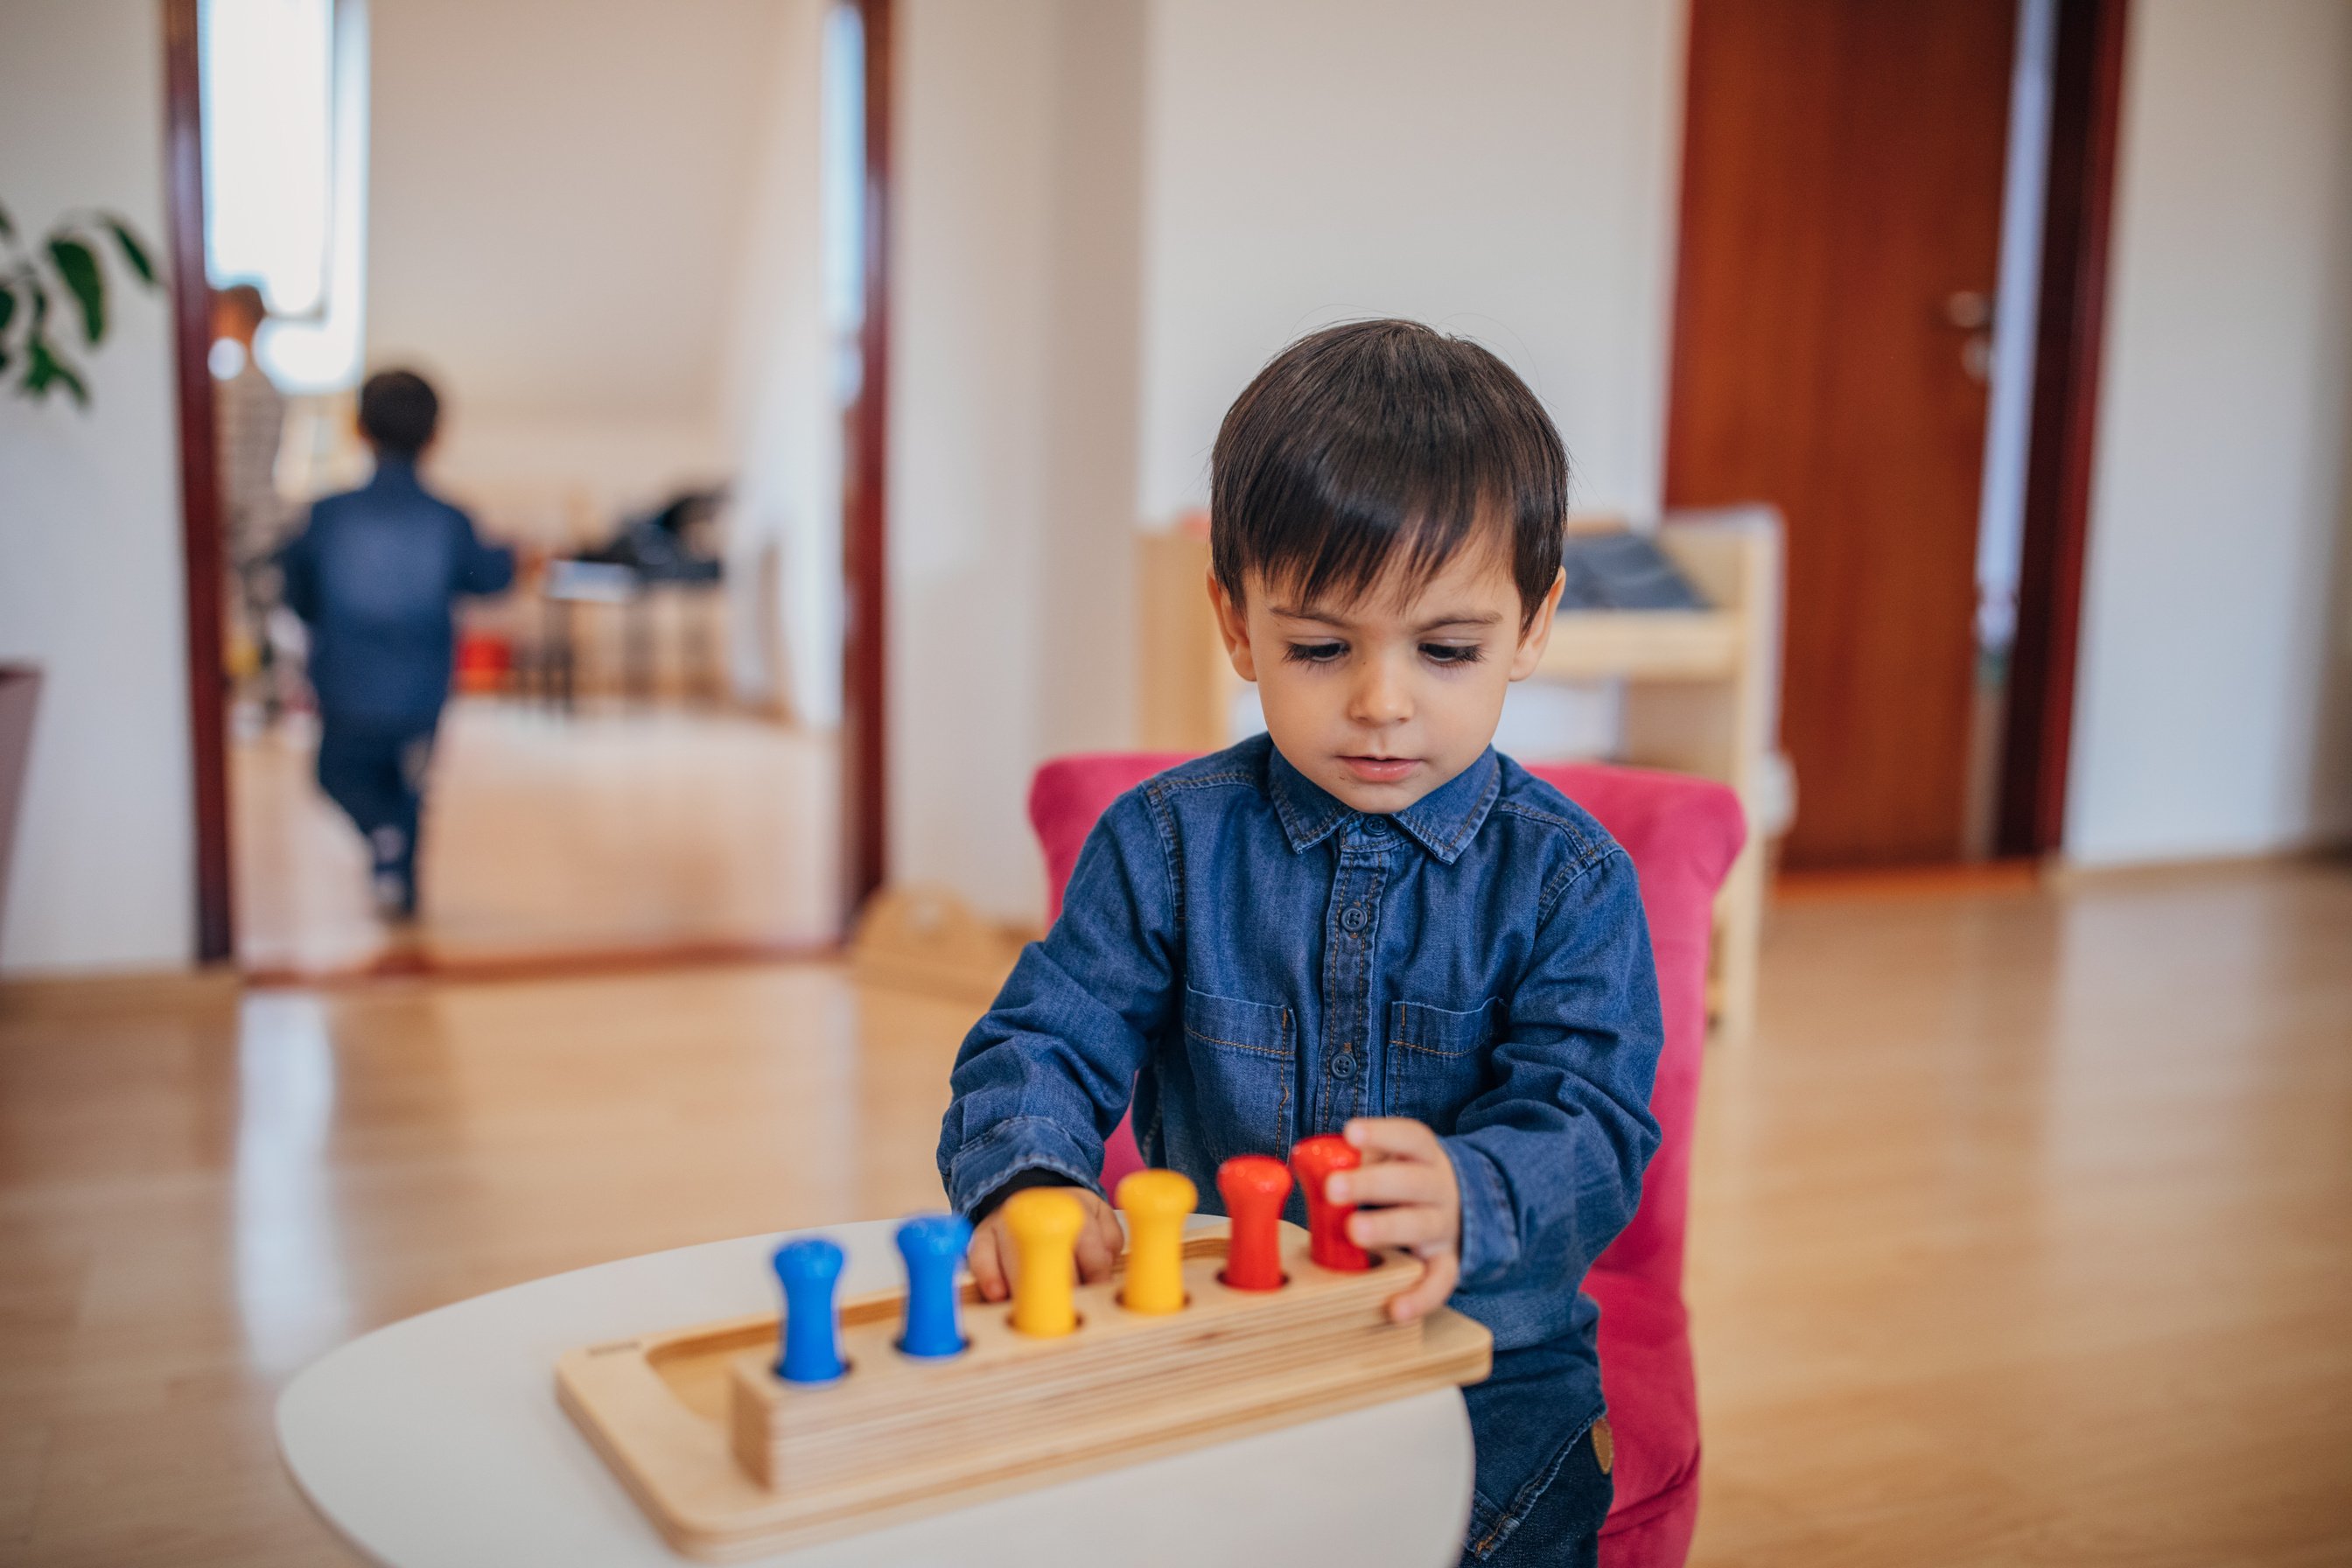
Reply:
x=1044, y=1223
x=734, y=1460
x=1254, y=1187
x=808, y=1269
x=932, y=1245
x=1155, y=1203
x=1326, y=1222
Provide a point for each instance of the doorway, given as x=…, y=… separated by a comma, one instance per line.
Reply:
x=1839, y=315
x=649, y=279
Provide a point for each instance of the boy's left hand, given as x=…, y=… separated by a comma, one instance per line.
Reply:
x=1407, y=1197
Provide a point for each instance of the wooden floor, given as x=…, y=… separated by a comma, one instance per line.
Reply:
x=612, y=830
x=2023, y=1230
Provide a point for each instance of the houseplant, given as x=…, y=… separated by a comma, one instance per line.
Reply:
x=66, y=267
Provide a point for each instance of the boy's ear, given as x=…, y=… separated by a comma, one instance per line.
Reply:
x=1533, y=641
x=1232, y=623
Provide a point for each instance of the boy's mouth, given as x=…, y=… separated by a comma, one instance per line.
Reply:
x=1380, y=770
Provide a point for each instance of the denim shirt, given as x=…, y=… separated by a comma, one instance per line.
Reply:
x=1262, y=962
x=374, y=575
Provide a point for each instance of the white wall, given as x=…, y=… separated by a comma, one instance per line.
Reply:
x=782, y=428
x=1011, y=374
x=557, y=214
x=2209, y=721
x=1112, y=214
x=90, y=584
x=1504, y=170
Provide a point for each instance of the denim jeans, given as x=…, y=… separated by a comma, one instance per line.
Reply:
x=1562, y=1525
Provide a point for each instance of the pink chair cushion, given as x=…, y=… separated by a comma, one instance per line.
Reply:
x=1682, y=835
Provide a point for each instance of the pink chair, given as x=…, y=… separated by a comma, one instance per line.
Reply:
x=1682, y=833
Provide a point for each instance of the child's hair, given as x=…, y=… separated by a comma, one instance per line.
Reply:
x=1364, y=440
x=246, y=300
x=398, y=411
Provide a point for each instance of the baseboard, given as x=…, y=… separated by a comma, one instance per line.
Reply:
x=929, y=940
x=172, y=990
x=2064, y=873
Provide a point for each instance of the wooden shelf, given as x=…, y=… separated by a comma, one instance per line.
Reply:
x=1643, y=644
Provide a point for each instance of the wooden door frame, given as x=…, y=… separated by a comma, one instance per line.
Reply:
x=200, y=520
x=2085, y=110
x=865, y=558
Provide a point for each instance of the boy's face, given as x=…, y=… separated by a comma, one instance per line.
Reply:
x=1382, y=699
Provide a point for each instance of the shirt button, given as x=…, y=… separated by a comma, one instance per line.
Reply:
x=1343, y=1066
x=1352, y=917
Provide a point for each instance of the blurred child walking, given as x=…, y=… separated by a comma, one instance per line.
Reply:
x=376, y=574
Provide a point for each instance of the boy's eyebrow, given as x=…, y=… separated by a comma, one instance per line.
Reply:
x=1457, y=618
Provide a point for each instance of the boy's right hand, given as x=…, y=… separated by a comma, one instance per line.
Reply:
x=1100, y=1241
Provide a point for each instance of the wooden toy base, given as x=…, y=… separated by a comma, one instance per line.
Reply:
x=692, y=1420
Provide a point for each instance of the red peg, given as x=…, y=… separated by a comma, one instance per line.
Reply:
x=1253, y=1187
x=1326, y=1222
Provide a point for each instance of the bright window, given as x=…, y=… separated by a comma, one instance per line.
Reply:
x=285, y=114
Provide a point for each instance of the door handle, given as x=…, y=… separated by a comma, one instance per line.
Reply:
x=1970, y=309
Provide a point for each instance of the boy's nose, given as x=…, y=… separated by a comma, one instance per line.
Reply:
x=1381, y=698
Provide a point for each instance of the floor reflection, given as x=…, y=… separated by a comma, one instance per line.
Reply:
x=293, y=1299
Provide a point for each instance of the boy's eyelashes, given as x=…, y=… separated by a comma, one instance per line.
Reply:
x=1453, y=652
x=1328, y=651
x=1314, y=652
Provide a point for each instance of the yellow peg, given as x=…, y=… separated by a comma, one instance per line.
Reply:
x=1044, y=1223
x=1155, y=1203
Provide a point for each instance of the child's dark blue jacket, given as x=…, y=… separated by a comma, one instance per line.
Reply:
x=374, y=575
x=1264, y=962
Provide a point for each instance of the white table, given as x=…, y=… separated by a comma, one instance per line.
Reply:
x=437, y=1443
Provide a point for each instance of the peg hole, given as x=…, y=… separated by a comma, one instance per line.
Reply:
x=1121, y=1300
x=1230, y=1286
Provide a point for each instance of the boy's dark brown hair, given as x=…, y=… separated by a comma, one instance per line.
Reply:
x=1381, y=443
x=399, y=411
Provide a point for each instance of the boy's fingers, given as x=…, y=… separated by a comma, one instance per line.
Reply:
x=1392, y=1137
x=1429, y=1292
x=1096, y=1252
x=1412, y=1225
x=1394, y=1182
x=987, y=1266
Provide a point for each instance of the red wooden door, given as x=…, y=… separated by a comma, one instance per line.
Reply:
x=1842, y=183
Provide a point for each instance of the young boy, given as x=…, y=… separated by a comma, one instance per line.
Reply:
x=1365, y=920
x=374, y=575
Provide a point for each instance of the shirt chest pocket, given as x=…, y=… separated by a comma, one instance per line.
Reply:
x=1242, y=1058
x=1437, y=1060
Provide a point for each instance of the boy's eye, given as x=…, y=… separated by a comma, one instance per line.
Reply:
x=1314, y=652
x=1453, y=652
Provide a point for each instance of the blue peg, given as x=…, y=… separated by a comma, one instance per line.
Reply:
x=808, y=1269
x=932, y=1245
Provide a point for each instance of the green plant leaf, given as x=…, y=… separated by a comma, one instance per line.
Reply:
x=48, y=369
x=78, y=265
x=7, y=312
x=7, y=227
x=134, y=255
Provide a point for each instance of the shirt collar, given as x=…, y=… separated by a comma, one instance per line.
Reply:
x=393, y=472
x=1441, y=822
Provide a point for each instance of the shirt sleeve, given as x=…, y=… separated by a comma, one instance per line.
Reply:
x=1042, y=1080
x=481, y=568
x=1549, y=1160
